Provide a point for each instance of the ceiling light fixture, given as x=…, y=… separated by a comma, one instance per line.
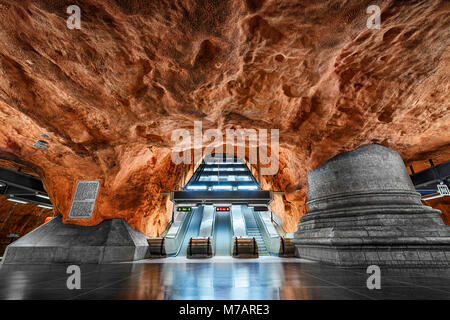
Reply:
x=222, y=187
x=40, y=146
x=196, y=187
x=17, y=201
x=44, y=206
x=247, y=187
x=42, y=196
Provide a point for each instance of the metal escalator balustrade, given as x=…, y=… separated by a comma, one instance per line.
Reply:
x=253, y=231
x=222, y=234
x=243, y=246
x=192, y=230
x=201, y=246
x=277, y=241
x=175, y=235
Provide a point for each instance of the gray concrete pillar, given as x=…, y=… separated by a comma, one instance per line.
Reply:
x=364, y=210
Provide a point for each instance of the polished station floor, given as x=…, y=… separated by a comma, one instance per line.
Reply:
x=220, y=278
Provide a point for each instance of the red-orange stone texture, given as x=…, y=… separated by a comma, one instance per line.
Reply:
x=110, y=95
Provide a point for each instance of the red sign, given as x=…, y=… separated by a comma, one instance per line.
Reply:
x=222, y=208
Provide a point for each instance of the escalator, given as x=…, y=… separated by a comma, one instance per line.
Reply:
x=206, y=231
x=192, y=230
x=253, y=231
x=222, y=234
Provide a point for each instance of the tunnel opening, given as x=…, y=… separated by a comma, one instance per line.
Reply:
x=222, y=211
x=24, y=203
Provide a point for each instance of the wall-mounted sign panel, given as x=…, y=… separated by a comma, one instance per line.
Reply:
x=443, y=189
x=83, y=202
x=184, y=209
x=261, y=208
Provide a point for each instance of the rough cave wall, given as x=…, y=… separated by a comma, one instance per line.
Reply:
x=18, y=218
x=442, y=204
x=109, y=95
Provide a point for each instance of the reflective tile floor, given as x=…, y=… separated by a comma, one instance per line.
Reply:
x=220, y=279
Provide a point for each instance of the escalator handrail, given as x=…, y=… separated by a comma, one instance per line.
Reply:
x=207, y=248
x=162, y=246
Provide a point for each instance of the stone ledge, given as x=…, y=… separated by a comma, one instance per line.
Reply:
x=54, y=242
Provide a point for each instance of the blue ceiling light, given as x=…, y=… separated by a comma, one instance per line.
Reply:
x=222, y=187
x=45, y=206
x=40, y=146
x=17, y=201
x=247, y=187
x=196, y=187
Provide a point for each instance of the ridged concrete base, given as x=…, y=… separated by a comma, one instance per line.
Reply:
x=400, y=256
x=364, y=210
x=54, y=242
x=411, y=239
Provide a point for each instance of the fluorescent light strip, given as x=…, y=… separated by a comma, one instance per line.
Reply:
x=42, y=196
x=196, y=187
x=247, y=187
x=17, y=201
x=432, y=197
x=44, y=206
x=222, y=187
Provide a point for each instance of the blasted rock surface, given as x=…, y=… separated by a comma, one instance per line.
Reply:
x=110, y=94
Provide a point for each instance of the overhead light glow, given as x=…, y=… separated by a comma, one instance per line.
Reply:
x=222, y=187
x=17, y=200
x=41, y=141
x=48, y=219
x=44, y=206
x=247, y=187
x=42, y=196
x=40, y=146
x=432, y=196
x=196, y=187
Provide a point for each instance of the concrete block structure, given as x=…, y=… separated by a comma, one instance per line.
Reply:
x=54, y=242
x=364, y=210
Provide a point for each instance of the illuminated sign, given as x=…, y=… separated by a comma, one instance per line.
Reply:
x=222, y=208
x=184, y=209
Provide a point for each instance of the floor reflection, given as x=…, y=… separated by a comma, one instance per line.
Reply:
x=232, y=279
x=223, y=281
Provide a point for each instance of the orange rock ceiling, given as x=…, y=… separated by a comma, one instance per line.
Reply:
x=110, y=94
